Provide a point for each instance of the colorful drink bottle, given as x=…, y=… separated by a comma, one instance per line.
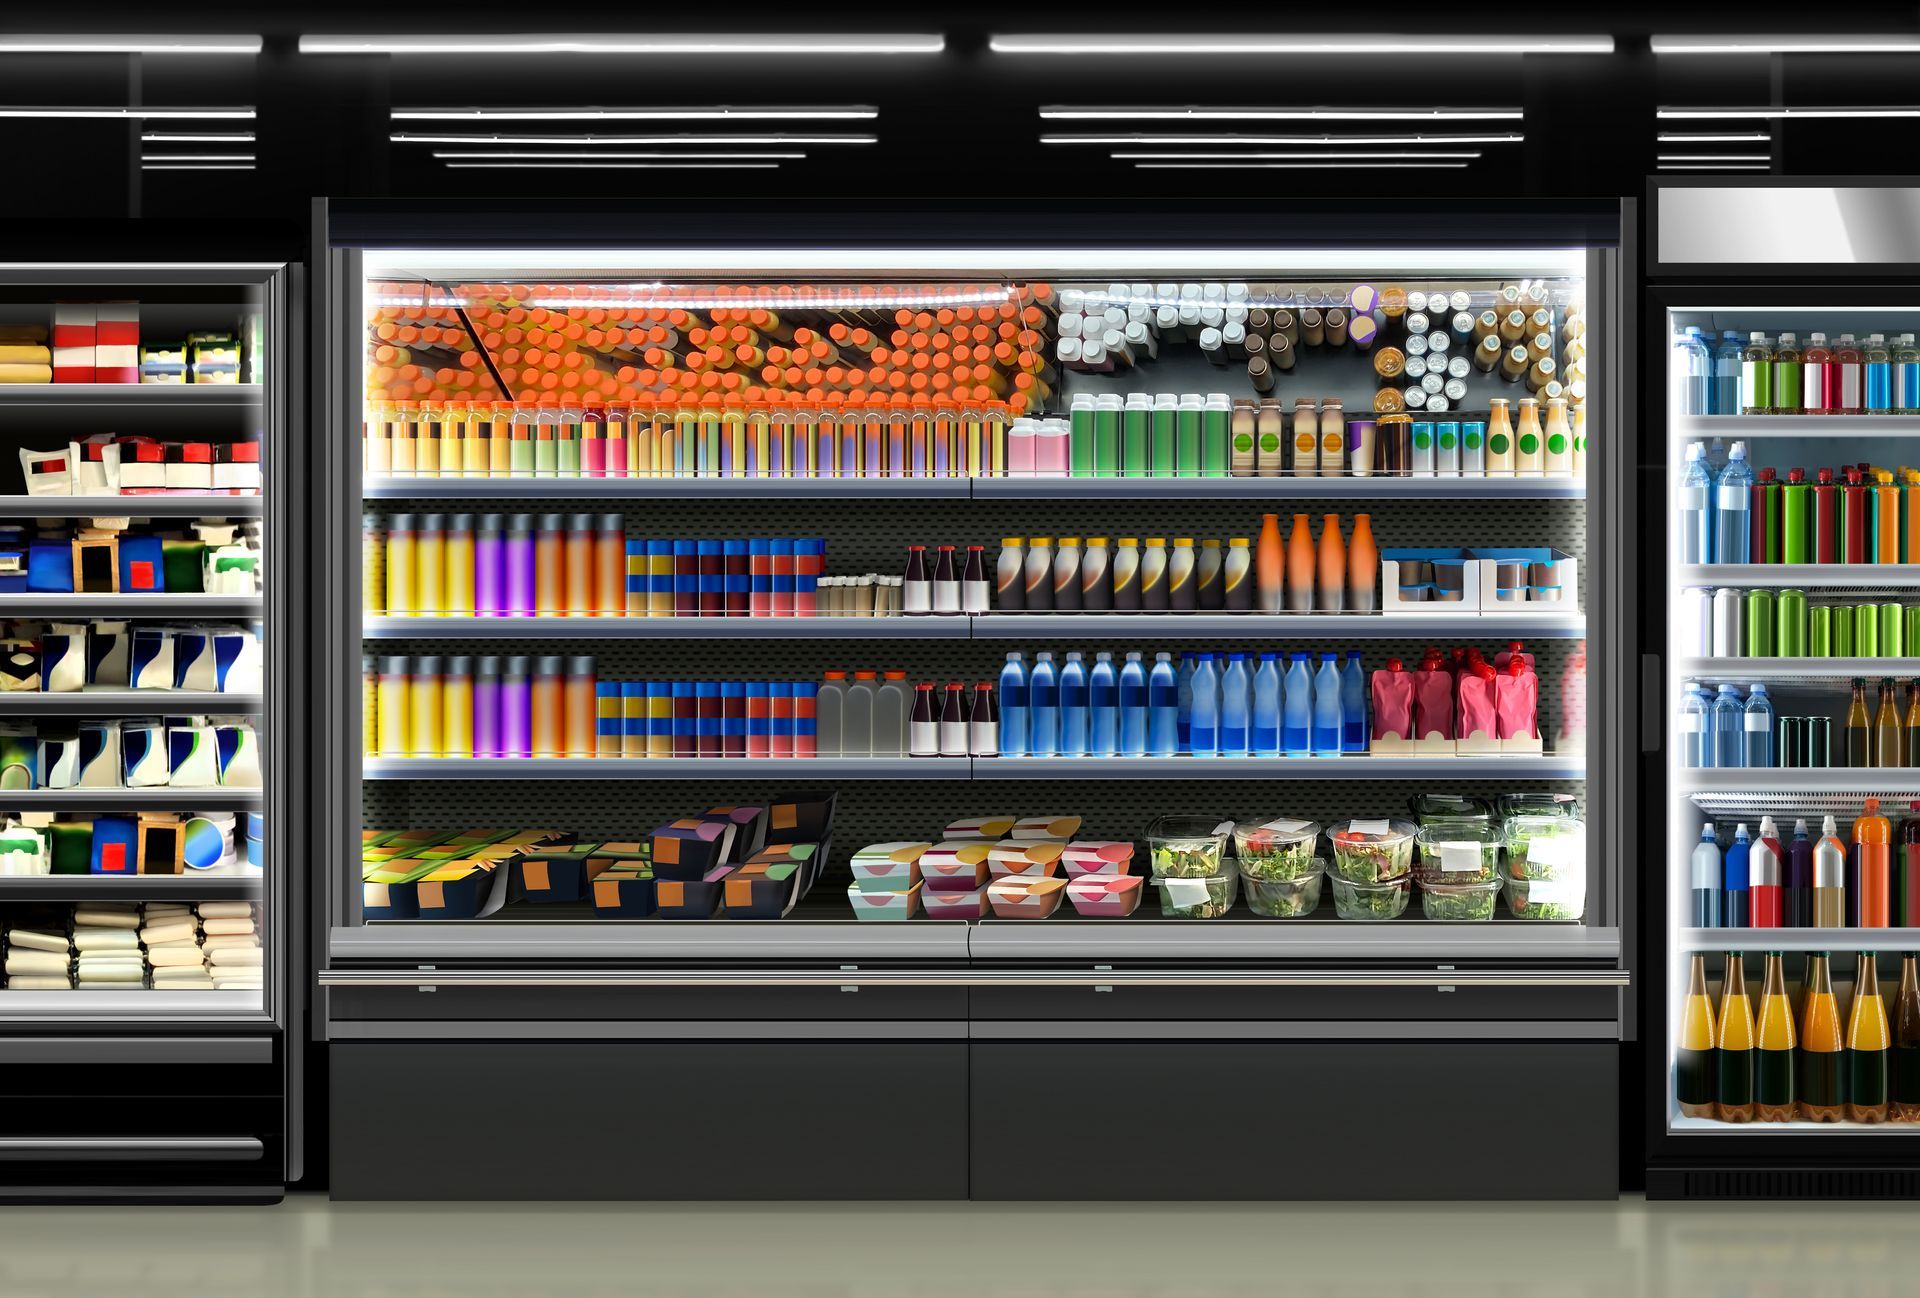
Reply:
x=1872, y=840
x=1869, y=1046
x=1733, y=1047
x=1694, y=1063
x=1776, y=1039
x=1821, y=1044
x=1766, y=878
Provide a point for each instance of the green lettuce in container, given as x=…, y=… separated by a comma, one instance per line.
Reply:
x=1367, y=851
x=1546, y=847
x=1545, y=899
x=1371, y=901
x=1457, y=851
x=1279, y=849
x=1455, y=902
x=1188, y=847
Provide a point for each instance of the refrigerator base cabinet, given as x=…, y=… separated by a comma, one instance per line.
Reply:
x=1306, y=1120
x=647, y=1120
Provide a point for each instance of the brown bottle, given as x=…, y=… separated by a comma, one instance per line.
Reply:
x=1733, y=1047
x=1859, y=730
x=1906, y=1044
x=1889, y=744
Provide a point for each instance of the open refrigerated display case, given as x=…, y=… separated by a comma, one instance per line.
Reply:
x=144, y=881
x=564, y=862
x=1787, y=594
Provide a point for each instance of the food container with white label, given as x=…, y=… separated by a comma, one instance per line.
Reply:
x=1188, y=847
x=1457, y=851
x=1282, y=848
x=1546, y=899
x=1365, y=851
x=1197, y=898
x=1546, y=847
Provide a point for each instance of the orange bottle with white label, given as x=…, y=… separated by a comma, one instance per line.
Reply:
x=1306, y=438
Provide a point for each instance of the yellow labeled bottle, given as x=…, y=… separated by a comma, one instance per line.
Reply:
x=1733, y=1047
x=392, y=711
x=1821, y=1046
x=1693, y=1063
x=1773, y=1070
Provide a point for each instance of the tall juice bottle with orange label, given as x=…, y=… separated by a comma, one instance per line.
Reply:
x=1773, y=1061
x=1500, y=456
x=1363, y=567
x=1733, y=1047
x=1869, y=1046
x=1873, y=843
x=1300, y=566
x=1821, y=1046
x=1693, y=1063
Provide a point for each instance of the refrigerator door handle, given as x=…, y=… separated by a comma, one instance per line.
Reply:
x=979, y=978
x=121, y=1149
x=1652, y=722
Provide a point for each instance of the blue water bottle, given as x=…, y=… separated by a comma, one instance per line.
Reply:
x=1013, y=707
x=1296, y=720
x=1236, y=703
x=1133, y=708
x=1759, y=723
x=1073, y=707
x=1354, y=729
x=1163, y=707
x=1729, y=728
x=1103, y=703
x=1266, y=707
x=1696, y=727
x=1183, y=726
x=1206, y=709
x=1326, y=708
x=1043, y=707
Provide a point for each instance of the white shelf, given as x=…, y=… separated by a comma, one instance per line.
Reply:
x=1865, y=576
x=1516, y=767
x=1860, y=781
x=118, y=703
x=140, y=1006
x=1795, y=669
x=67, y=605
x=1795, y=939
x=1288, y=626
x=1356, y=767
x=1378, y=487
x=667, y=628
x=130, y=394
x=124, y=800
x=666, y=768
x=1684, y=1126
x=1704, y=427
x=666, y=488
x=130, y=506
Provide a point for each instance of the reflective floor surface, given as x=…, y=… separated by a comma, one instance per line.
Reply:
x=314, y=1249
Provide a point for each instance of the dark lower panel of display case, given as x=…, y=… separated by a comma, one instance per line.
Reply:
x=1303, y=1120
x=1758, y=1181
x=648, y=1120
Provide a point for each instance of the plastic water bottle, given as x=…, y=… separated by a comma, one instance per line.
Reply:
x=1727, y=355
x=1706, y=879
x=1354, y=730
x=1183, y=725
x=1759, y=723
x=1163, y=707
x=1103, y=702
x=1133, y=708
x=1296, y=724
x=1206, y=708
x=1733, y=509
x=1326, y=708
x=1266, y=707
x=1073, y=707
x=1696, y=507
x=1733, y=906
x=1716, y=456
x=1696, y=727
x=1013, y=707
x=1729, y=728
x=1043, y=707
x=1236, y=708
x=1693, y=370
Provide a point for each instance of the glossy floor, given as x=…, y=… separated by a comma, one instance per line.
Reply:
x=312, y=1249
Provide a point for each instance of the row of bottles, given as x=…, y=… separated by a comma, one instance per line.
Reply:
x=1742, y=1064
x=1721, y=729
x=1754, y=374
x=1734, y=512
x=1869, y=879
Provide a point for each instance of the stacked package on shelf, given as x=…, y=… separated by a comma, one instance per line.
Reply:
x=25, y=356
x=39, y=954
x=230, y=942
x=108, y=556
x=71, y=657
x=108, y=937
x=1000, y=863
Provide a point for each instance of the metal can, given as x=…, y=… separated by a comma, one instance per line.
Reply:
x=1820, y=631
x=1790, y=620
x=1819, y=741
x=1793, y=741
x=1893, y=625
x=1843, y=632
x=1866, y=630
x=1759, y=623
x=1727, y=640
x=1913, y=627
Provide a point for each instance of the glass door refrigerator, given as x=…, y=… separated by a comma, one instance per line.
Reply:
x=909, y=675
x=147, y=1010
x=1784, y=915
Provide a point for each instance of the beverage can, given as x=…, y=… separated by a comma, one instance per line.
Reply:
x=1842, y=633
x=1913, y=627
x=1819, y=741
x=1793, y=741
x=1820, y=632
x=1728, y=640
x=1790, y=634
x=1866, y=630
x=1758, y=626
x=1893, y=626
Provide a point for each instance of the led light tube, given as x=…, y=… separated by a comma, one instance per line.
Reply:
x=198, y=157
x=597, y=157
x=1715, y=157
x=1673, y=114
x=197, y=137
x=85, y=113
x=196, y=166
x=618, y=166
x=719, y=113
x=1289, y=166
x=1898, y=43
x=1714, y=137
x=30, y=43
x=1148, y=138
x=785, y=43
x=1714, y=166
x=1196, y=113
x=1257, y=157
x=1266, y=43
x=775, y=137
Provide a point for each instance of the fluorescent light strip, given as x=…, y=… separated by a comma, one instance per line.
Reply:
x=1714, y=137
x=616, y=166
x=197, y=137
x=721, y=113
x=196, y=166
x=558, y=156
x=1257, y=157
x=1714, y=166
x=1716, y=157
x=1264, y=43
x=1899, y=43
x=694, y=137
x=654, y=294
x=51, y=44
x=626, y=43
x=198, y=157
x=1290, y=166
x=1678, y=114
x=245, y=114
x=1194, y=113
x=1146, y=138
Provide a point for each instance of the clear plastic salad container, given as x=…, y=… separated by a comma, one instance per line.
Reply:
x=1429, y=807
x=1384, y=900
x=1284, y=898
x=1187, y=897
x=1188, y=847
x=1457, y=851
x=1538, y=804
x=1368, y=850
x=1278, y=849
x=1546, y=847
x=1459, y=901
x=1545, y=899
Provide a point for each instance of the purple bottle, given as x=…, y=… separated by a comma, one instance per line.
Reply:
x=486, y=708
x=489, y=568
x=520, y=565
x=516, y=708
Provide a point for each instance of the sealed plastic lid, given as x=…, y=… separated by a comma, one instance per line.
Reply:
x=1272, y=835
x=1372, y=831
x=1538, y=804
x=1427, y=807
x=1436, y=835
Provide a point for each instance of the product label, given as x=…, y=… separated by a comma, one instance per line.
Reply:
x=1187, y=892
x=1448, y=437
x=1423, y=438
x=1529, y=444
x=1472, y=439
x=1691, y=723
x=1557, y=892
x=1458, y=857
x=1757, y=722
x=1369, y=827
x=1557, y=443
x=1287, y=826
x=1269, y=443
x=1559, y=849
x=1733, y=498
x=1694, y=498
x=1498, y=443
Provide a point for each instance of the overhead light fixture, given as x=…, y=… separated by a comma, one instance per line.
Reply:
x=1195, y=113
x=1713, y=166
x=196, y=166
x=1716, y=157
x=1267, y=43
x=1714, y=137
x=1255, y=157
x=1250, y=141
x=718, y=113
x=30, y=43
x=198, y=157
x=617, y=166
x=696, y=138
x=1777, y=114
x=133, y=113
x=1896, y=43
x=1290, y=166
x=785, y=43
x=558, y=156
x=197, y=137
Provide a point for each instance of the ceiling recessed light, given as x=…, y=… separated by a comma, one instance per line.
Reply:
x=1197, y=113
x=784, y=43
x=1243, y=44
x=28, y=43
x=718, y=113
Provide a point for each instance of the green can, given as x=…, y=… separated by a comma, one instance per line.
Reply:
x=1759, y=620
x=1866, y=630
x=1842, y=632
x=1913, y=627
x=1820, y=631
x=1790, y=635
x=1893, y=625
